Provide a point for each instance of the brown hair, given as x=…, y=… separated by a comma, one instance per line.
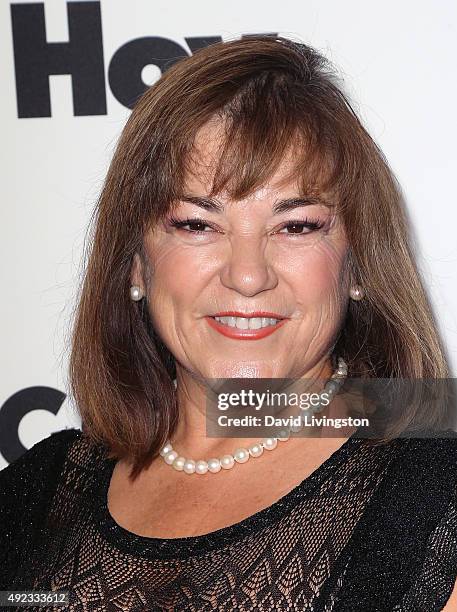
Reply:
x=270, y=92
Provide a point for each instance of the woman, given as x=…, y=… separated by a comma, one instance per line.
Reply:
x=248, y=228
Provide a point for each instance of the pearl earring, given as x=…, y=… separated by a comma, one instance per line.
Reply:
x=135, y=293
x=356, y=292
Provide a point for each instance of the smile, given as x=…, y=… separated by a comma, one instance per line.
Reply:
x=247, y=323
x=245, y=328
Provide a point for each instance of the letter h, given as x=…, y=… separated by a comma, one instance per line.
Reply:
x=35, y=59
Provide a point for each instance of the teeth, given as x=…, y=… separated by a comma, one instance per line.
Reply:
x=247, y=323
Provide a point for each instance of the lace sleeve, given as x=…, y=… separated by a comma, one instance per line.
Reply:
x=26, y=488
x=434, y=584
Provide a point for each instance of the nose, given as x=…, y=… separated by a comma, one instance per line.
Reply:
x=247, y=269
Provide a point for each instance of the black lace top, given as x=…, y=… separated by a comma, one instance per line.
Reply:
x=372, y=529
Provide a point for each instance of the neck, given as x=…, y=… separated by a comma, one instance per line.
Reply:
x=190, y=436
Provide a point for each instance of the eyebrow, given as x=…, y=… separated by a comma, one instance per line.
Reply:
x=278, y=207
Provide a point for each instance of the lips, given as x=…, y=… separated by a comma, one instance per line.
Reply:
x=246, y=334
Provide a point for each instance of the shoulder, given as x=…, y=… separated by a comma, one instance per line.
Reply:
x=50, y=451
x=41, y=467
x=441, y=446
x=426, y=467
x=27, y=487
x=34, y=475
x=435, y=579
x=404, y=549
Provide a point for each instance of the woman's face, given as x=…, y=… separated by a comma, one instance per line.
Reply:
x=241, y=257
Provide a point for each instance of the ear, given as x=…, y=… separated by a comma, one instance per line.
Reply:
x=136, y=273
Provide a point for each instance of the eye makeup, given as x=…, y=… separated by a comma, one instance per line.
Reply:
x=310, y=223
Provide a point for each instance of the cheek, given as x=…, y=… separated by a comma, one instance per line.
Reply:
x=317, y=274
x=180, y=273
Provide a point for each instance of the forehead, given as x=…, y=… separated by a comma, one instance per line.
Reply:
x=204, y=156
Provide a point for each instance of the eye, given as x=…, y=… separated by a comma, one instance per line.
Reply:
x=181, y=224
x=297, y=226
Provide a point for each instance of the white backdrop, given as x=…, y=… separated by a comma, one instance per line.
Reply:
x=398, y=61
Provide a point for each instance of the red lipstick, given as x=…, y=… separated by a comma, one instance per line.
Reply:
x=245, y=334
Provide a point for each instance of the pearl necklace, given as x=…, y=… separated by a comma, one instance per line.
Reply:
x=241, y=455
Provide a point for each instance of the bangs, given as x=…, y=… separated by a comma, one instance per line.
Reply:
x=271, y=120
